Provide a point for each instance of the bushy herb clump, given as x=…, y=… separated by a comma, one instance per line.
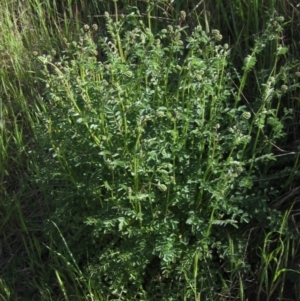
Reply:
x=153, y=156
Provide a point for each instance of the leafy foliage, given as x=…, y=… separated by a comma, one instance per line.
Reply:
x=153, y=158
x=199, y=186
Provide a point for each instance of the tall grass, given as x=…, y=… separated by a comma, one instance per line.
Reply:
x=151, y=97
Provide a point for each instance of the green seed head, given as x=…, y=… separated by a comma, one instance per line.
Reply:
x=86, y=28
x=95, y=27
x=182, y=15
x=239, y=169
x=198, y=28
x=280, y=19
x=246, y=115
x=218, y=37
x=170, y=28
x=215, y=32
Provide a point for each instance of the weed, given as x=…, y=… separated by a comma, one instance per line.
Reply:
x=146, y=157
x=159, y=154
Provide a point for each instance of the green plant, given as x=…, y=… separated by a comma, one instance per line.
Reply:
x=153, y=158
x=42, y=260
